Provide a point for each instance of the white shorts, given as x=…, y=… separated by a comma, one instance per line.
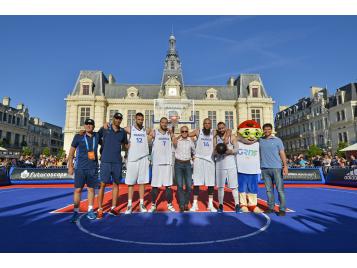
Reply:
x=137, y=172
x=161, y=175
x=229, y=175
x=203, y=172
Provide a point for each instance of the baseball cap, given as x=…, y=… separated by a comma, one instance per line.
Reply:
x=89, y=122
x=118, y=116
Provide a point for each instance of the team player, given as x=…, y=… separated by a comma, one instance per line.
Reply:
x=203, y=164
x=86, y=167
x=162, y=163
x=138, y=161
x=226, y=168
x=113, y=138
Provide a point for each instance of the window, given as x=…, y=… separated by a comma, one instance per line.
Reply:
x=25, y=121
x=338, y=116
x=85, y=114
x=85, y=89
x=343, y=116
x=111, y=113
x=149, y=118
x=131, y=117
x=9, y=119
x=18, y=121
x=8, y=137
x=255, y=92
x=13, y=120
x=256, y=115
x=0, y=135
x=228, y=117
x=17, y=140
x=4, y=117
x=172, y=65
x=1, y=115
x=212, y=115
x=345, y=137
x=196, y=124
x=340, y=137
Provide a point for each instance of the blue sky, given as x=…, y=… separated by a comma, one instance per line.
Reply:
x=41, y=56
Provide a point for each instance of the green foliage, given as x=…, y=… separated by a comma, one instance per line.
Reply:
x=341, y=146
x=313, y=151
x=2, y=143
x=61, y=153
x=26, y=151
x=46, y=151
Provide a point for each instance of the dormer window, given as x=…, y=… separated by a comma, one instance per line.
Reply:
x=254, y=89
x=211, y=94
x=86, y=85
x=132, y=93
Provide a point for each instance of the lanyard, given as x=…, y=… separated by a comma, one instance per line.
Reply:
x=85, y=139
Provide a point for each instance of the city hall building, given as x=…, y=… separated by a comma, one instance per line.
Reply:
x=99, y=96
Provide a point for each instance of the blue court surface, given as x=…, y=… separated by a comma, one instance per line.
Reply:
x=323, y=219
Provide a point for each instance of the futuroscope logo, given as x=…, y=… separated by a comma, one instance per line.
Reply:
x=42, y=175
x=351, y=176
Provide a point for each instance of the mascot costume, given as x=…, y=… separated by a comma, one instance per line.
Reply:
x=248, y=165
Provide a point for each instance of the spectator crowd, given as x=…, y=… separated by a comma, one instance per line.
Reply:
x=326, y=160
x=34, y=162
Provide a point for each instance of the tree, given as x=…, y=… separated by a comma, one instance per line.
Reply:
x=26, y=151
x=46, y=151
x=313, y=151
x=341, y=146
x=1, y=143
x=61, y=153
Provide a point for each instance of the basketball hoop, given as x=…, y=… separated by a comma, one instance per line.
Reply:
x=174, y=122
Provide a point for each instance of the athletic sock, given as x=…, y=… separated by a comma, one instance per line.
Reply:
x=141, y=201
x=90, y=208
x=76, y=209
x=235, y=196
x=129, y=202
x=195, y=202
x=210, y=201
x=220, y=195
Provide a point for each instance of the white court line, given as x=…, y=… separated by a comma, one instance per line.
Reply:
x=335, y=190
x=262, y=229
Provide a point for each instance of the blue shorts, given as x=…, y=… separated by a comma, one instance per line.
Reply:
x=248, y=183
x=110, y=172
x=86, y=176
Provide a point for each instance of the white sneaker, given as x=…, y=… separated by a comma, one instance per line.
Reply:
x=143, y=208
x=152, y=209
x=211, y=208
x=128, y=210
x=194, y=208
x=171, y=207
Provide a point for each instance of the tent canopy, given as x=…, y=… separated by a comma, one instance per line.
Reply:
x=352, y=147
x=2, y=149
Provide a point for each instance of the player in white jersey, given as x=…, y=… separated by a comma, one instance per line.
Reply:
x=226, y=167
x=162, y=163
x=203, y=164
x=138, y=160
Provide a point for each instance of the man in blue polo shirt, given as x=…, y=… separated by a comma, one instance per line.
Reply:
x=274, y=167
x=112, y=139
x=86, y=167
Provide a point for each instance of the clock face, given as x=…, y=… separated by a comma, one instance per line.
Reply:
x=172, y=91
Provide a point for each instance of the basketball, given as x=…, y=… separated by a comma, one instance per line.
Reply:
x=221, y=148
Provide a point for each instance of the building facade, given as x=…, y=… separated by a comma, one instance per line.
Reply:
x=320, y=120
x=98, y=96
x=18, y=129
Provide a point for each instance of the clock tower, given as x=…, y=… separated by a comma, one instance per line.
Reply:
x=172, y=79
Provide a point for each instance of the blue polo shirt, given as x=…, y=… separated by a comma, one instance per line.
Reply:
x=269, y=152
x=111, y=144
x=79, y=142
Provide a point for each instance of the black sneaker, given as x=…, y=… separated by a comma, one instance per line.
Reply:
x=281, y=213
x=220, y=208
x=186, y=208
x=269, y=210
x=113, y=212
x=182, y=208
x=237, y=208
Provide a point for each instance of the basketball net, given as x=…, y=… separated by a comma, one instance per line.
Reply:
x=173, y=122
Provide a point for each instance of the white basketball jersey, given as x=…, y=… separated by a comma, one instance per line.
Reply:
x=139, y=146
x=225, y=161
x=248, y=159
x=162, y=149
x=204, y=146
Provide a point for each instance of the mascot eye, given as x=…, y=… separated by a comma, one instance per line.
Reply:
x=258, y=134
x=246, y=133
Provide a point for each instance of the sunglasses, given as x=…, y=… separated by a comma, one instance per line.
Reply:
x=184, y=131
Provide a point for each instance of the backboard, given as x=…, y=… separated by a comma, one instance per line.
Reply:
x=179, y=110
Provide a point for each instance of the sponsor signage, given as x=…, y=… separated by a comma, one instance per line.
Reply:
x=29, y=174
x=342, y=176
